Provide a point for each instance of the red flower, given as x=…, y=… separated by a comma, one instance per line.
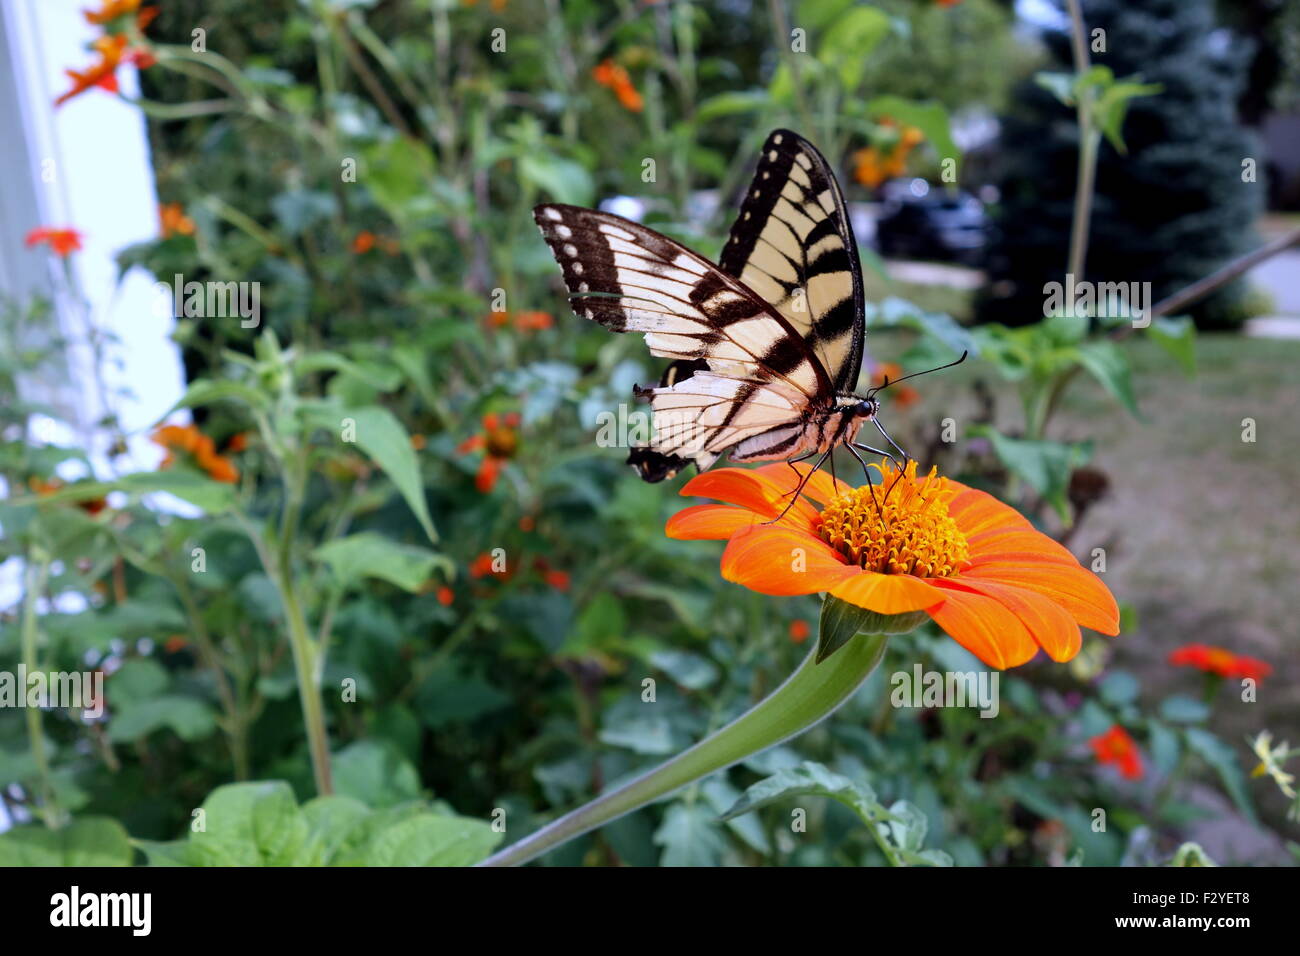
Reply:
x=1221, y=661
x=62, y=242
x=113, y=51
x=1115, y=746
x=799, y=631
x=446, y=595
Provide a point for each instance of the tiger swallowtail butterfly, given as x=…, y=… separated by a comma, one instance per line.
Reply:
x=767, y=345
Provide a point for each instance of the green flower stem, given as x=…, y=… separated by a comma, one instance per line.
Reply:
x=36, y=573
x=811, y=693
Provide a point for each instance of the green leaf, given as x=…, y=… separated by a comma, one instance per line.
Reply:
x=371, y=555
x=1178, y=338
x=562, y=179
x=689, y=670
x=190, y=718
x=689, y=836
x=249, y=824
x=429, y=840
x=1044, y=465
x=930, y=118
x=382, y=437
x=375, y=774
x=165, y=853
x=847, y=44
x=730, y=104
x=86, y=841
x=721, y=796
x=1223, y=761
x=1183, y=710
x=330, y=820
x=812, y=779
x=213, y=497
x=1111, y=108
x=1109, y=365
x=208, y=392
x=398, y=174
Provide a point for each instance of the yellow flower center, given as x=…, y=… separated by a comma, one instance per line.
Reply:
x=904, y=531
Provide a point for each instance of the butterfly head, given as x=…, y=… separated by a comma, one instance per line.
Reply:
x=866, y=408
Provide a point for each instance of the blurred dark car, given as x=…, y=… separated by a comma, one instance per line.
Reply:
x=918, y=221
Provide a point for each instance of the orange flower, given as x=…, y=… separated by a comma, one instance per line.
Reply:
x=613, y=76
x=188, y=439
x=533, y=321
x=485, y=564
x=1221, y=661
x=237, y=442
x=445, y=596
x=110, y=10
x=173, y=220
x=799, y=631
x=62, y=242
x=527, y=523
x=902, y=396
x=1117, y=747
x=499, y=440
x=175, y=643
x=975, y=566
x=113, y=51
x=363, y=243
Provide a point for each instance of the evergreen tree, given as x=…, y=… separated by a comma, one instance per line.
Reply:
x=1172, y=210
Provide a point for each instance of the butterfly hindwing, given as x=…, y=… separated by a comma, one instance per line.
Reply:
x=792, y=243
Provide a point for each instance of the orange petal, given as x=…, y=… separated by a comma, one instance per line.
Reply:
x=983, y=626
x=713, y=522
x=775, y=559
x=1051, y=625
x=749, y=489
x=975, y=511
x=1016, y=540
x=888, y=593
x=1076, y=589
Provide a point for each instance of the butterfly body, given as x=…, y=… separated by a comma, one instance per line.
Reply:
x=767, y=344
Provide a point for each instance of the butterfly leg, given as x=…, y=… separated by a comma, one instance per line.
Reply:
x=794, y=496
x=892, y=444
x=898, y=467
x=792, y=462
x=866, y=471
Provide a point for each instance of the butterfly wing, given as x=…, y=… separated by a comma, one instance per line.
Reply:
x=792, y=243
x=758, y=374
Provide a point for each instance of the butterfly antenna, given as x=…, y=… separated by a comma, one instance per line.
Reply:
x=938, y=368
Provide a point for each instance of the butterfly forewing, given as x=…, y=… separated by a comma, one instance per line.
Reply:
x=793, y=245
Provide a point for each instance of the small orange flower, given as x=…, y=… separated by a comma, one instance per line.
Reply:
x=62, y=242
x=559, y=580
x=175, y=643
x=237, y=442
x=902, y=396
x=110, y=10
x=445, y=596
x=419, y=442
x=527, y=523
x=799, y=631
x=610, y=74
x=364, y=242
x=113, y=51
x=1221, y=661
x=484, y=565
x=1116, y=747
x=499, y=440
x=173, y=220
x=188, y=439
x=533, y=321
x=974, y=565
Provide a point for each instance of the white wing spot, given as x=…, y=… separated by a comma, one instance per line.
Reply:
x=577, y=268
x=564, y=232
x=777, y=139
x=772, y=155
x=570, y=249
x=552, y=214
